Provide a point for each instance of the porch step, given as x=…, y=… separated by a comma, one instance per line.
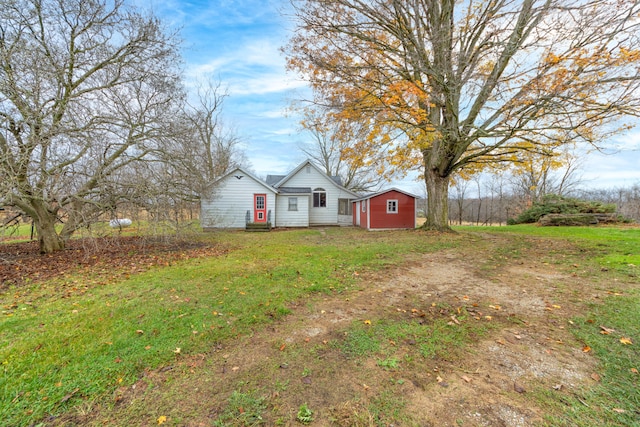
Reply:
x=258, y=226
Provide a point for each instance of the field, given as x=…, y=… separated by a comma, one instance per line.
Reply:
x=504, y=326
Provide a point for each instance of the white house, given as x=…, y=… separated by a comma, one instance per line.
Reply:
x=305, y=197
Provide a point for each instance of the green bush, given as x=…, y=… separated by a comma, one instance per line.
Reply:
x=554, y=204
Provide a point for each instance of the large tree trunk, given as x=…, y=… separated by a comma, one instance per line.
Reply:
x=45, y=223
x=437, y=200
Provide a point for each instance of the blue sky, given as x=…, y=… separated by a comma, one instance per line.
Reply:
x=238, y=43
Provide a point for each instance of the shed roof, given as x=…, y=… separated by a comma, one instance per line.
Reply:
x=379, y=193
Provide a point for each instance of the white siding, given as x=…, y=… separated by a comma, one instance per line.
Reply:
x=229, y=202
x=310, y=177
x=287, y=218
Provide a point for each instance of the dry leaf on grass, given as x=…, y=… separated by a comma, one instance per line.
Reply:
x=606, y=331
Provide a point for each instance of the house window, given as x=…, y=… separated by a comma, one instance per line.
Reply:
x=259, y=202
x=392, y=206
x=344, y=207
x=293, y=203
x=364, y=205
x=319, y=198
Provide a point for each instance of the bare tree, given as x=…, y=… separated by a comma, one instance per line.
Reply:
x=215, y=148
x=459, y=186
x=86, y=89
x=472, y=82
x=333, y=150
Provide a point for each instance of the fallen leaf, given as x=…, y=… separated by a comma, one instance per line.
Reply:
x=139, y=331
x=633, y=370
x=557, y=387
x=162, y=419
x=626, y=341
x=466, y=379
x=367, y=322
x=235, y=368
x=518, y=388
x=618, y=410
x=595, y=377
x=606, y=331
x=586, y=349
x=283, y=346
x=177, y=350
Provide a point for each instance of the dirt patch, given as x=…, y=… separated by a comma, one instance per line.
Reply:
x=298, y=360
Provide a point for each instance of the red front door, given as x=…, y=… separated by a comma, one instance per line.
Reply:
x=259, y=208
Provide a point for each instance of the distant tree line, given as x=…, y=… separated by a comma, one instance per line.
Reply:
x=492, y=202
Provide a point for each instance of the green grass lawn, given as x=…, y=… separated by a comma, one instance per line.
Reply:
x=63, y=345
x=15, y=233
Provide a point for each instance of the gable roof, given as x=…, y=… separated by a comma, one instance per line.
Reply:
x=240, y=173
x=379, y=193
x=333, y=179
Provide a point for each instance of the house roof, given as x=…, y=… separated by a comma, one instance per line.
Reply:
x=240, y=173
x=379, y=193
x=334, y=179
x=274, y=179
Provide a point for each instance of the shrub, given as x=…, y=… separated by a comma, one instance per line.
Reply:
x=554, y=204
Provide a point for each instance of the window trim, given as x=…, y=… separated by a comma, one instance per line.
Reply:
x=392, y=206
x=319, y=196
x=293, y=207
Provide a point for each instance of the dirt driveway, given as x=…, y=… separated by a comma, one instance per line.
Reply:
x=523, y=298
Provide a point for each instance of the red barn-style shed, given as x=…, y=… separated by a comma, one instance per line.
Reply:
x=385, y=210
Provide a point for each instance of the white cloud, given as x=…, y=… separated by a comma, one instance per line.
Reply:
x=255, y=67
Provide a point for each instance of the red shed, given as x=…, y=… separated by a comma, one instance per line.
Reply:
x=388, y=209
